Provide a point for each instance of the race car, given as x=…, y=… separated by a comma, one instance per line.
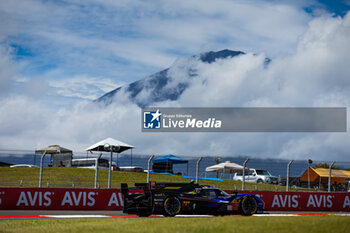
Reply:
x=170, y=199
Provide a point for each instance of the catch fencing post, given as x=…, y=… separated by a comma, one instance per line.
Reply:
x=197, y=169
x=148, y=167
x=41, y=168
x=243, y=182
x=96, y=169
x=330, y=176
x=287, y=182
x=110, y=166
x=131, y=157
x=110, y=147
x=308, y=172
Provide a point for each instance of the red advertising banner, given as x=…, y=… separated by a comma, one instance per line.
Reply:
x=60, y=199
x=112, y=199
x=304, y=201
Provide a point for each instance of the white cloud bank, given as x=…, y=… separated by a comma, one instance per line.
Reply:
x=126, y=39
x=316, y=74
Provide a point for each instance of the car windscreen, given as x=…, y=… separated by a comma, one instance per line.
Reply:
x=263, y=172
x=223, y=193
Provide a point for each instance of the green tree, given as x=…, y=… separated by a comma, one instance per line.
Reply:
x=325, y=165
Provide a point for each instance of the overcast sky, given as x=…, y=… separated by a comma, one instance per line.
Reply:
x=58, y=56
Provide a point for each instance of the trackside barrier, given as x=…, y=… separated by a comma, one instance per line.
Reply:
x=304, y=201
x=112, y=199
x=60, y=199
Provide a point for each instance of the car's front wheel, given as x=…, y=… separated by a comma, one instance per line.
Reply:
x=172, y=206
x=248, y=206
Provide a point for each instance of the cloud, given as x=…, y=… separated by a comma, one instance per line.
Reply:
x=83, y=86
x=232, y=24
x=315, y=75
x=21, y=117
x=56, y=87
x=7, y=71
x=309, y=68
x=128, y=39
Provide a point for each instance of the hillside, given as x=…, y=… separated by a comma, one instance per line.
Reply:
x=169, y=83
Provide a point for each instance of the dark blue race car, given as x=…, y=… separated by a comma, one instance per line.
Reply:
x=170, y=199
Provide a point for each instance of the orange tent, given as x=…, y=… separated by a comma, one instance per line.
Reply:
x=320, y=175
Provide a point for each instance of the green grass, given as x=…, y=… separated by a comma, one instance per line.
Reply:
x=84, y=178
x=320, y=224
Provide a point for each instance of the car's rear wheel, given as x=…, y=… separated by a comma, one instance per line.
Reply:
x=248, y=206
x=260, y=181
x=172, y=206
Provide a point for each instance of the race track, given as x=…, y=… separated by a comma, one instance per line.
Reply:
x=39, y=214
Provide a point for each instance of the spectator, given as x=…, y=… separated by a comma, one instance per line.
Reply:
x=335, y=186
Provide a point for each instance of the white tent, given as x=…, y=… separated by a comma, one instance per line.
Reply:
x=118, y=146
x=111, y=145
x=226, y=167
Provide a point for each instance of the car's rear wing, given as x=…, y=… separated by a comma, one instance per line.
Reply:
x=166, y=187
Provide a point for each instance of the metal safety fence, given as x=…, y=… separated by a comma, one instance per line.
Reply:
x=274, y=174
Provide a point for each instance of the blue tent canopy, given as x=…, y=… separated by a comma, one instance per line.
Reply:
x=171, y=159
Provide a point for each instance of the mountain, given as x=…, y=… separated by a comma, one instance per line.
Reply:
x=155, y=88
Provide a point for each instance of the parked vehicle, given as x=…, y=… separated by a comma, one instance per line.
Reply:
x=256, y=176
x=91, y=163
x=170, y=199
x=23, y=165
x=131, y=169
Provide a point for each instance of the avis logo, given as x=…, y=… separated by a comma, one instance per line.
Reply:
x=152, y=120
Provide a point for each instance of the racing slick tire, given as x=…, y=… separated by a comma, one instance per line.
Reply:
x=171, y=206
x=248, y=206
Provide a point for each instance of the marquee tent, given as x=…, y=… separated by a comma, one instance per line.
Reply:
x=165, y=163
x=321, y=175
x=118, y=146
x=110, y=145
x=60, y=156
x=170, y=159
x=53, y=149
x=226, y=167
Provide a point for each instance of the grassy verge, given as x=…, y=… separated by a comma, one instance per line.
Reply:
x=84, y=178
x=318, y=224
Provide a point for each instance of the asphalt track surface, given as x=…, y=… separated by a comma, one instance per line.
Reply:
x=61, y=214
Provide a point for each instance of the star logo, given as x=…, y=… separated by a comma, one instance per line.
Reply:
x=156, y=115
